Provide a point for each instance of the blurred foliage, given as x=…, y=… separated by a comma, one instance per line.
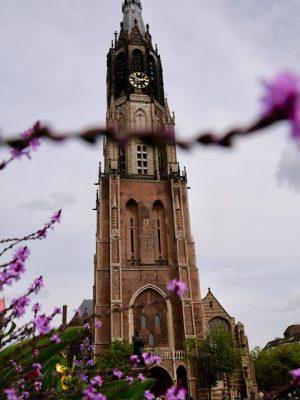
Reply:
x=117, y=356
x=272, y=365
x=214, y=355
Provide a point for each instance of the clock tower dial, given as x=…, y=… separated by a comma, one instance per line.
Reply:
x=139, y=80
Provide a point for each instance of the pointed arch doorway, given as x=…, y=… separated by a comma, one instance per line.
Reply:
x=163, y=381
x=182, y=377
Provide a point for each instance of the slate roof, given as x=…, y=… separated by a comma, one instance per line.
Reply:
x=86, y=307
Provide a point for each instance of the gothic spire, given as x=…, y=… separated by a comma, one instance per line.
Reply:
x=132, y=16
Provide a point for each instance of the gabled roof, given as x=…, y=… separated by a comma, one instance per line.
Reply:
x=211, y=296
x=86, y=307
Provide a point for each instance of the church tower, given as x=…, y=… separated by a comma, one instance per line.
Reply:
x=143, y=225
x=143, y=238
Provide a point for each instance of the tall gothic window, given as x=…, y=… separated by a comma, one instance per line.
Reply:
x=157, y=321
x=159, y=224
x=143, y=322
x=153, y=76
x=132, y=236
x=158, y=236
x=120, y=72
x=137, y=61
x=142, y=159
x=132, y=231
x=122, y=160
x=151, y=339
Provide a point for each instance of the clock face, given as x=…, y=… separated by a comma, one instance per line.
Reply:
x=139, y=80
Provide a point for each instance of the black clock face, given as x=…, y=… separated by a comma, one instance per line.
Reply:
x=139, y=80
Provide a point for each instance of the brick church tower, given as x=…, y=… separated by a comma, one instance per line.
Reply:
x=143, y=225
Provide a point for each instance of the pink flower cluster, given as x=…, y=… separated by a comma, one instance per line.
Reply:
x=32, y=144
x=177, y=287
x=296, y=376
x=15, y=268
x=91, y=392
x=282, y=97
x=174, y=393
x=118, y=374
x=147, y=358
x=55, y=219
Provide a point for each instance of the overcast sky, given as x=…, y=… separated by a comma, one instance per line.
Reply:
x=244, y=202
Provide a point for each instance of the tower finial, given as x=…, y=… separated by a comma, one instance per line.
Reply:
x=132, y=11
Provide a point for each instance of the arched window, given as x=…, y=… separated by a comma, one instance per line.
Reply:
x=153, y=76
x=219, y=323
x=143, y=322
x=120, y=72
x=132, y=230
x=137, y=62
x=158, y=235
x=157, y=321
x=140, y=120
x=159, y=223
x=151, y=340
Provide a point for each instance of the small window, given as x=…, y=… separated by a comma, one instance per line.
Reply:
x=151, y=339
x=142, y=160
x=143, y=322
x=211, y=304
x=157, y=321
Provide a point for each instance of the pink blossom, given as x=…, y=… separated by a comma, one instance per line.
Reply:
x=141, y=377
x=38, y=283
x=135, y=360
x=37, y=367
x=36, y=308
x=118, y=374
x=129, y=379
x=42, y=233
x=12, y=394
x=282, y=96
x=56, y=339
x=17, y=153
x=98, y=324
x=19, y=306
x=90, y=393
x=296, y=376
x=97, y=381
x=151, y=359
x=16, y=366
x=27, y=134
x=42, y=324
x=176, y=393
x=84, y=378
x=37, y=386
x=56, y=217
x=178, y=287
x=56, y=311
x=87, y=326
x=33, y=142
x=22, y=253
x=148, y=395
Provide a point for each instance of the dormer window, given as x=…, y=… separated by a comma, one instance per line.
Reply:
x=142, y=160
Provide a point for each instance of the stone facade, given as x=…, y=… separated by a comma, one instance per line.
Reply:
x=143, y=235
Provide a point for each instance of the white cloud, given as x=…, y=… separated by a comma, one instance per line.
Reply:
x=288, y=171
